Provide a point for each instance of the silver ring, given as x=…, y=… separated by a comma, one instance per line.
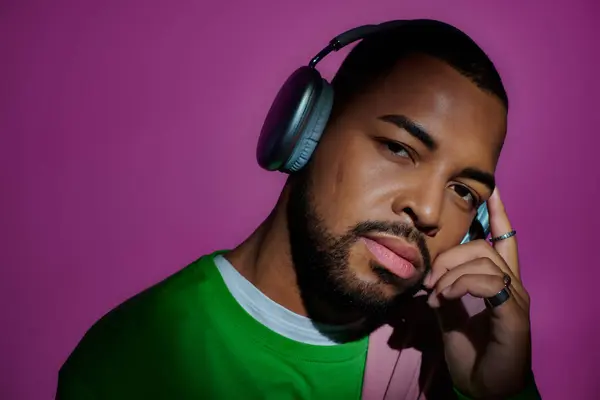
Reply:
x=503, y=237
x=501, y=297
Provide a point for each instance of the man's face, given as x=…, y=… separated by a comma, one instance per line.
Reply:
x=395, y=181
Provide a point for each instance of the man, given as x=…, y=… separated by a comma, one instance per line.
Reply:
x=301, y=309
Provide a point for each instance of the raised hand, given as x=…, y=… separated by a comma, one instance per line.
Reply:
x=488, y=354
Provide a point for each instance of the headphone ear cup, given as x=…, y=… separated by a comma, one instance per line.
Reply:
x=480, y=228
x=295, y=121
x=315, y=124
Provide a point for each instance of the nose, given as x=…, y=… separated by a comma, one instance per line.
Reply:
x=423, y=205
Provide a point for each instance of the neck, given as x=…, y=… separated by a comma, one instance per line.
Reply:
x=265, y=260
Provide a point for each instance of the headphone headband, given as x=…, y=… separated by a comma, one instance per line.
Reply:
x=300, y=112
x=350, y=36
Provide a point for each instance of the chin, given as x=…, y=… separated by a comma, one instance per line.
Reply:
x=376, y=284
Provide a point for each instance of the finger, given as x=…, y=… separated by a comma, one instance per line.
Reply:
x=461, y=255
x=479, y=266
x=499, y=225
x=481, y=286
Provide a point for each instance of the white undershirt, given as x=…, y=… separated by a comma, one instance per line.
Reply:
x=271, y=314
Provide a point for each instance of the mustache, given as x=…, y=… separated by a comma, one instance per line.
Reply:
x=405, y=231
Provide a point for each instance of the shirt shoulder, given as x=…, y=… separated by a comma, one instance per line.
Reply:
x=130, y=344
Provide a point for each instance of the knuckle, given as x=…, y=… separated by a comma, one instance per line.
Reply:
x=441, y=261
x=481, y=244
x=497, y=282
x=488, y=264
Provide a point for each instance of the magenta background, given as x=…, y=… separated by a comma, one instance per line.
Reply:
x=127, y=150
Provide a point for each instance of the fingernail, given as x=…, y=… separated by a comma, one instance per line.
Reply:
x=445, y=291
x=433, y=300
x=427, y=280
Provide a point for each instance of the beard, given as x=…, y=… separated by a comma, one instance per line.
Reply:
x=330, y=289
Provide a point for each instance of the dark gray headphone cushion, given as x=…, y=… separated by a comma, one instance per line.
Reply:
x=315, y=124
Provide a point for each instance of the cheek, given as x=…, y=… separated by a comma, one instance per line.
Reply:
x=351, y=188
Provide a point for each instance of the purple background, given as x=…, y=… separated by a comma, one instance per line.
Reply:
x=128, y=131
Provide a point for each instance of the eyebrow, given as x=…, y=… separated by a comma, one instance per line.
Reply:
x=414, y=129
x=478, y=175
x=419, y=133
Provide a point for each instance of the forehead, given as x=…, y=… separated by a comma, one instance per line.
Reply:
x=458, y=114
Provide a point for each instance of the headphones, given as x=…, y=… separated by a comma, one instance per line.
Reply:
x=299, y=115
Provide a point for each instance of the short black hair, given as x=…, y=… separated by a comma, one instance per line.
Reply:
x=376, y=56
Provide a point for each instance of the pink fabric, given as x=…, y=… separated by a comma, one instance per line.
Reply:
x=382, y=381
x=381, y=359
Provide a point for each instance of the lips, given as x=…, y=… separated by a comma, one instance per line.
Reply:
x=394, y=254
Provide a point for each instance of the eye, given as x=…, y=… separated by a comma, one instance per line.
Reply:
x=397, y=149
x=467, y=195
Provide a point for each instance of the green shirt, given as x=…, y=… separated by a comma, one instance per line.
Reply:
x=188, y=338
